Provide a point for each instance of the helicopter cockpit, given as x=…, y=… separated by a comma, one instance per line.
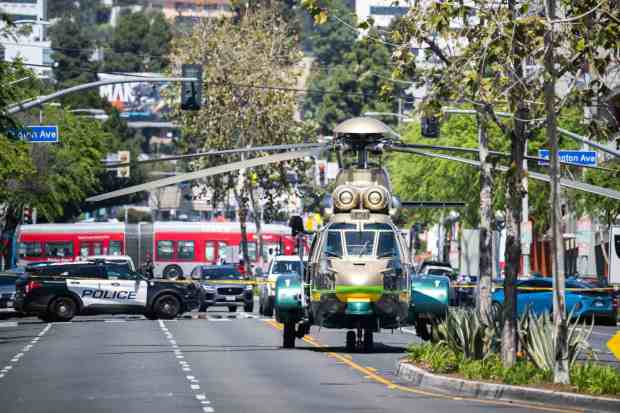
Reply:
x=361, y=240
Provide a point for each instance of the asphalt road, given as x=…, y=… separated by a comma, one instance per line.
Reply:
x=219, y=364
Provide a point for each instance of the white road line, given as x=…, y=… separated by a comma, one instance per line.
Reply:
x=186, y=369
x=208, y=409
x=195, y=387
x=190, y=377
x=201, y=397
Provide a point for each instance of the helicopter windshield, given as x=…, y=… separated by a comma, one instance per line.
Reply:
x=333, y=246
x=387, y=246
x=360, y=242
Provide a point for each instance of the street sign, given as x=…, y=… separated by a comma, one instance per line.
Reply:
x=614, y=345
x=37, y=133
x=586, y=158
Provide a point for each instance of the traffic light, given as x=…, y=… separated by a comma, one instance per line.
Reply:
x=123, y=171
x=27, y=215
x=191, y=92
x=430, y=127
x=322, y=174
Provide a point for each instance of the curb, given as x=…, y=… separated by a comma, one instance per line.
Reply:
x=493, y=391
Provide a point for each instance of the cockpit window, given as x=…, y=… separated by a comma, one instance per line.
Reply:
x=377, y=226
x=360, y=242
x=387, y=246
x=333, y=246
x=342, y=226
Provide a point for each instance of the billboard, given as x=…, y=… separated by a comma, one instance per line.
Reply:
x=136, y=101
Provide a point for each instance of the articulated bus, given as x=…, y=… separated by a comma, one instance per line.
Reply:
x=175, y=248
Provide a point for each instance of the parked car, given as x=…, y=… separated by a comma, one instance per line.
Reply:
x=279, y=265
x=7, y=290
x=465, y=288
x=60, y=291
x=584, y=301
x=224, y=286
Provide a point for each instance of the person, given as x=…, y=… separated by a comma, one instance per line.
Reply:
x=147, y=266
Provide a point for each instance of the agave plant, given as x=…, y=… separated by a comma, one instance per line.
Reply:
x=465, y=332
x=537, y=337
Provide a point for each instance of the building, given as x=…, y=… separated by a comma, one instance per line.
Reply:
x=191, y=11
x=33, y=48
x=381, y=11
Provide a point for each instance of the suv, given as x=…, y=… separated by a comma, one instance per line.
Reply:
x=224, y=286
x=279, y=265
x=60, y=291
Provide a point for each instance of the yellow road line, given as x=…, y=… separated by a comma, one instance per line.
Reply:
x=369, y=373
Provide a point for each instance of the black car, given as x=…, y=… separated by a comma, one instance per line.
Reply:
x=7, y=290
x=224, y=286
x=58, y=292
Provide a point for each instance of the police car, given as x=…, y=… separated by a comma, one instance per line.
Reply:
x=60, y=291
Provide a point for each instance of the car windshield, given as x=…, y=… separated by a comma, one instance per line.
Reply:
x=224, y=273
x=360, y=243
x=280, y=267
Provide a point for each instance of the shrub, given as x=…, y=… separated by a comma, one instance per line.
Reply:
x=537, y=338
x=596, y=379
x=439, y=358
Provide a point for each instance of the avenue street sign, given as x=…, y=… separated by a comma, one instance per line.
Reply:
x=614, y=345
x=37, y=133
x=586, y=158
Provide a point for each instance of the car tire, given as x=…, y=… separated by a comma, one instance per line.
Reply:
x=423, y=329
x=232, y=309
x=167, y=307
x=248, y=308
x=62, y=309
x=172, y=272
x=268, y=310
x=607, y=321
x=203, y=308
x=150, y=316
x=288, y=335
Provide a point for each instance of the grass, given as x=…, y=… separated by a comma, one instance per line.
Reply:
x=588, y=378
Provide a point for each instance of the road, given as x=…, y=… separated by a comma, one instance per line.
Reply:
x=219, y=364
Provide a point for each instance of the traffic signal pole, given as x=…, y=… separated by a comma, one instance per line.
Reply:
x=31, y=103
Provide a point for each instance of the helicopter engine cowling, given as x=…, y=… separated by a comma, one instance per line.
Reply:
x=346, y=198
x=376, y=198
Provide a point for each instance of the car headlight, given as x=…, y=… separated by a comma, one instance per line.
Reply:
x=209, y=288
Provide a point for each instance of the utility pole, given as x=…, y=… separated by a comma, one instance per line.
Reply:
x=526, y=229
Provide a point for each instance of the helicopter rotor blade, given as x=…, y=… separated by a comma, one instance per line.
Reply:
x=269, y=148
x=492, y=153
x=431, y=204
x=216, y=170
x=567, y=183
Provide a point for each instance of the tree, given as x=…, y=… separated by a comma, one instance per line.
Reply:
x=245, y=64
x=353, y=86
x=330, y=41
x=140, y=43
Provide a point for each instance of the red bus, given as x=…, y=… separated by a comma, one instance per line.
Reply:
x=181, y=246
x=175, y=248
x=65, y=242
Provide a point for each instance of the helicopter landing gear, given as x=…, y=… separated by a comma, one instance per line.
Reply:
x=362, y=341
x=351, y=342
x=288, y=335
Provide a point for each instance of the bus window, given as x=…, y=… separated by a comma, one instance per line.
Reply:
x=84, y=250
x=59, y=249
x=165, y=250
x=185, y=250
x=209, y=251
x=97, y=248
x=116, y=248
x=30, y=249
x=222, y=251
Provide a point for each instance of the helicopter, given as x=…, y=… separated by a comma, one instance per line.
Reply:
x=359, y=273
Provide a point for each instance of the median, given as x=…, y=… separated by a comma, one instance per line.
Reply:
x=463, y=360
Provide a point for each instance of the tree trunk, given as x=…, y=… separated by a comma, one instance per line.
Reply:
x=258, y=222
x=486, y=217
x=12, y=218
x=560, y=370
x=514, y=194
x=243, y=216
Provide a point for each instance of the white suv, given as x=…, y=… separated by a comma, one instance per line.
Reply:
x=280, y=264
